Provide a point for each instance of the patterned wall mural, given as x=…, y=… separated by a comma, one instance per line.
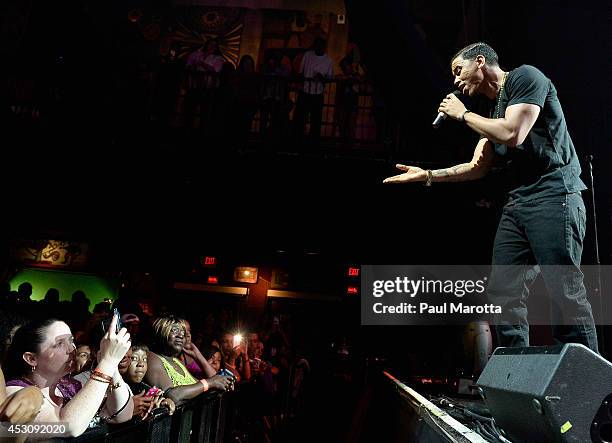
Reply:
x=188, y=28
x=55, y=253
x=194, y=25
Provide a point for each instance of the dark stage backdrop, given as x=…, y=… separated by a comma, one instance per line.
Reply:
x=407, y=47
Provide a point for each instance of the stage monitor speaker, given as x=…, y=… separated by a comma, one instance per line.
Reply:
x=549, y=393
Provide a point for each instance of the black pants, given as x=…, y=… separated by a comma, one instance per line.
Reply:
x=548, y=232
x=309, y=106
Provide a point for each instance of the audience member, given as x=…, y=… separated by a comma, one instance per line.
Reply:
x=132, y=324
x=124, y=363
x=50, y=305
x=24, y=292
x=316, y=68
x=101, y=312
x=246, y=86
x=9, y=323
x=191, y=356
x=167, y=372
x=347, y=101
x=43, y=353
x=79, y=315
x=276, y=105
x=146, y=398
x=207, y=58
x=203, y=69
x=235, y=358
x=84, y=359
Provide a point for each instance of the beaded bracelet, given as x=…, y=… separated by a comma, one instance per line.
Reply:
x=98, y=378
x=101, y=374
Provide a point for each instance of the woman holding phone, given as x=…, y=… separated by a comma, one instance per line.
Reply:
x=235, y=355
x=42, y=354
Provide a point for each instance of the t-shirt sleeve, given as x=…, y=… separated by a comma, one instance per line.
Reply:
x=528, y=85
x=10, y=390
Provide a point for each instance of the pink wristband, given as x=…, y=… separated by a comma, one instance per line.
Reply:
x=205, y=384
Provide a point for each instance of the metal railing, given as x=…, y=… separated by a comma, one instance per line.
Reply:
x=351, y=112
x=229, y=107
x=201, y=420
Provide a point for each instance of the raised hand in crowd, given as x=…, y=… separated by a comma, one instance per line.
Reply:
x=191, y=349
x=113, y=347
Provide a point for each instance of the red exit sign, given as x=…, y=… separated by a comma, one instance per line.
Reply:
x=353, y=272
x=209, y=261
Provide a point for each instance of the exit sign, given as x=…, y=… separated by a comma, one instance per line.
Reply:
x=209, y=261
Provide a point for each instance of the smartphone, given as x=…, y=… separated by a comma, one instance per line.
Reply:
x=237, y=340
x=153, y=392
x=226, y=372
x=106, y=323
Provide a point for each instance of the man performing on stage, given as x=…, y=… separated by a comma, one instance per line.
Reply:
x=543, y=221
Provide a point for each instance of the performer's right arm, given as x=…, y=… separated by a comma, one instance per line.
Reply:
x=478, y=167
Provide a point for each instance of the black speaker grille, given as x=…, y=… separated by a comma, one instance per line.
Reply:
x=546, y=393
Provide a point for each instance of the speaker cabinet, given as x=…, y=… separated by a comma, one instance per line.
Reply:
x=549, y=393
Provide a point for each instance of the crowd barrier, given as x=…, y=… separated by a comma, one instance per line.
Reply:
x=201, y=420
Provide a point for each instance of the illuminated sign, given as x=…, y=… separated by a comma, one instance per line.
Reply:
x=245, y=274
x=353, y=272
x=209, y=261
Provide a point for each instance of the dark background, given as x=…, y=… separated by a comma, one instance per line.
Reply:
x=103, y=176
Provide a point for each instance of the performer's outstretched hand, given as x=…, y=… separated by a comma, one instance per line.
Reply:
x=412, y=174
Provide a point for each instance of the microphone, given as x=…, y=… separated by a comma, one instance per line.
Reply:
x=441, y=115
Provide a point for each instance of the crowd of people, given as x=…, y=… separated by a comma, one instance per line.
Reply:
x=282, y=98
x=210, y=96
x=62, y=363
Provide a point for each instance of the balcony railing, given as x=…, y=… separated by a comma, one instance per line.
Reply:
x=351, y=112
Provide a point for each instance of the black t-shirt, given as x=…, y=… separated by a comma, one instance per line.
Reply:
x=546, y=163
